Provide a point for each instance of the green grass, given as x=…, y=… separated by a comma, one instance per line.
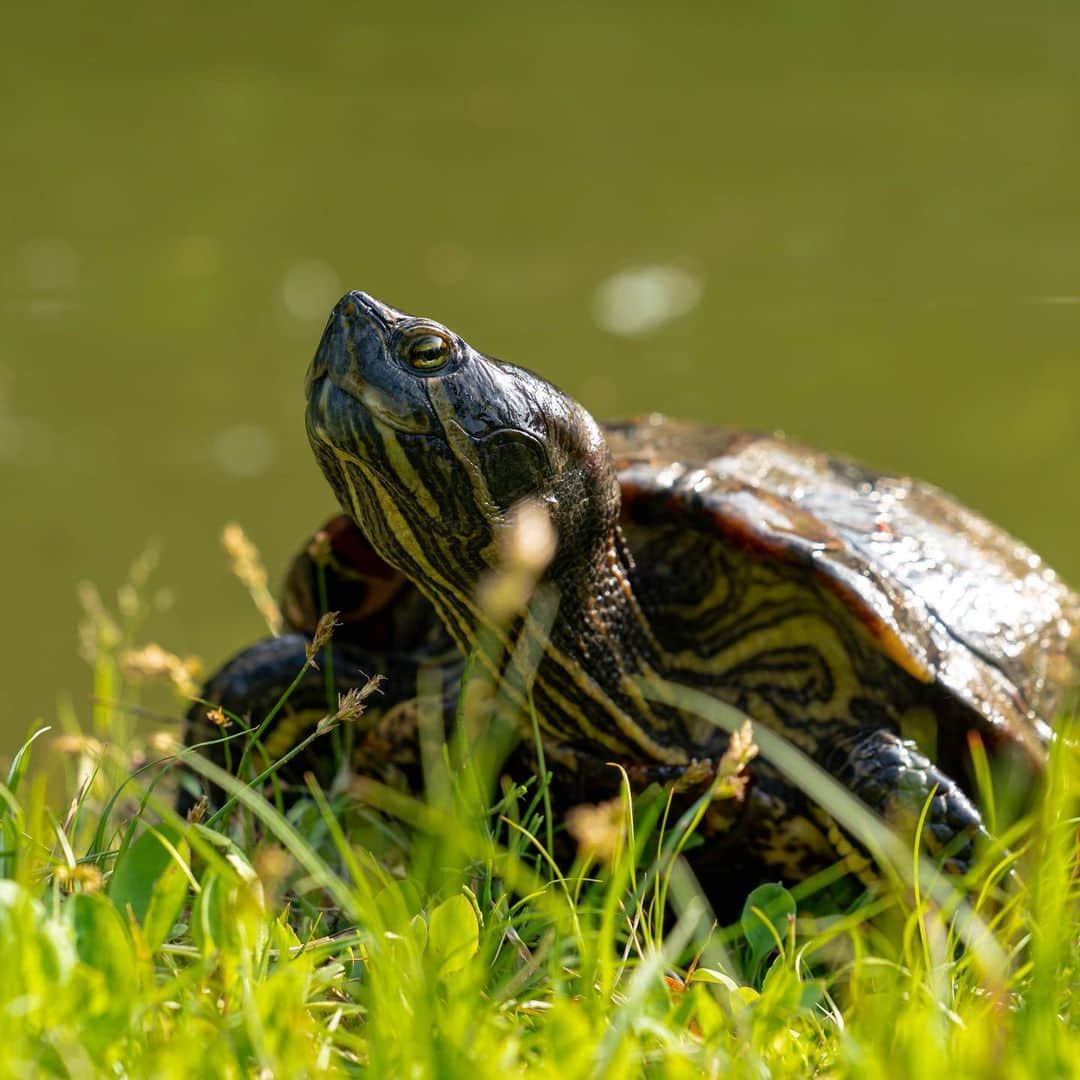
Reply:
x=361, y=929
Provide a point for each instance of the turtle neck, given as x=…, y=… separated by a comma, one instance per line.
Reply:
x=585, y=688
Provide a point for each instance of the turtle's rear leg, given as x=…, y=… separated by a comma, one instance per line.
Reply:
x=895, y=780
x=254, y=683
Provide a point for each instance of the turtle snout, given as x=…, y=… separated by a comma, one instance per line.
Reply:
x=354, y=338
x=361, y=325
x=357, y=306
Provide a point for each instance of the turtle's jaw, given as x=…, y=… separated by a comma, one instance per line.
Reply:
x=391, y=483
x=359, y=448
x=350, y=415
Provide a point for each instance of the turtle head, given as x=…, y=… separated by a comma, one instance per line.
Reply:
x=429, y=445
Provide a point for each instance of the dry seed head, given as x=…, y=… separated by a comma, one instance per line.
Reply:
x=248, y=566
x=273, y=864
x=196, y=815
x=598, y=829
x=741, y=749
x=90, y=599
x=353, y=703
x=694, y=775
x=243, y=552
x=98, y=631
x=731, y=775
x=187, y=678
x=127, y=600
x=77, y=744
x=89, y=878
x=504, y=593
x=82, y=877
x=217, y=717
x=154, y=662
x=144, y=566
x=163, y=742
x=351, y=706
x=149, y=662
x=526, y=547
x=327, y=724
x=323, y=632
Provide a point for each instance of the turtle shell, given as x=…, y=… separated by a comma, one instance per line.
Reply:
x=951, y=599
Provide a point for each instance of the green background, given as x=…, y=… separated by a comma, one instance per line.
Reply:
x=882, y=203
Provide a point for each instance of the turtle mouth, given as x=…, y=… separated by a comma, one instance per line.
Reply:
x=340, y=403
x=344, y=431
x=351, y=433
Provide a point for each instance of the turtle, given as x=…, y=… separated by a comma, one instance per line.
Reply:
x=843, y=607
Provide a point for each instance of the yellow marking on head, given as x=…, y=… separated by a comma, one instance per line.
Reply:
x=463, y=448
x=425, y=576
x=413, y=482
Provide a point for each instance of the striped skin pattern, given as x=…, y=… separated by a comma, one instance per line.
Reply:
x=763, y=637
x=823, y=600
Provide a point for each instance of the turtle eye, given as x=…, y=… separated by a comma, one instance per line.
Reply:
x=428, y=351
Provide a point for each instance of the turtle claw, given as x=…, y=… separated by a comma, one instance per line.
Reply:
x=895, y=779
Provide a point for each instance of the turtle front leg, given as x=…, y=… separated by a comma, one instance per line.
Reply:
x=894, y=779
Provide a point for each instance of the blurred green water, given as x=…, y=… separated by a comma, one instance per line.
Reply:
x=882, y=206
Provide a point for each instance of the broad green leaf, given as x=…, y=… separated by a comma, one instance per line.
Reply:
x=101, y=938
x=813, y=993
x=453, y=934
x=150, y=881
x=765, y=918
x=708, y=975
x=707, y=1012
x=419, y=930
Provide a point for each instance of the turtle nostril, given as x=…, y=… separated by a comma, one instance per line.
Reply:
x=350, y=308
